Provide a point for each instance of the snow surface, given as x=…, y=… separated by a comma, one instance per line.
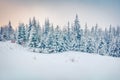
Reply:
x=17, y=63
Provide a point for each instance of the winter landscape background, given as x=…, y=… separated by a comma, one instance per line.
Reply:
x=86, y=47
x=48, y=52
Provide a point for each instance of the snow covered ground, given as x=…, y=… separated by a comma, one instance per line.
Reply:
x=17, y=63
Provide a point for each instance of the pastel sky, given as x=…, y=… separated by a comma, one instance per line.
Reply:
x=59, y=12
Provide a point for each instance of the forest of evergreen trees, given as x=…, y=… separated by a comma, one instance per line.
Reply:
x=53, y=39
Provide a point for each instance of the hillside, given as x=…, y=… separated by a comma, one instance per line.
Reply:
x=18, y=63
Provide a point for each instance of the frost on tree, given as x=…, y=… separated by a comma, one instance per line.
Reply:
x=10, y=31
x=83, y=44
x=58, y=42
x=102, y=47
x=33, y=39
x=90, y=46
x=66, y=37
x=51, y=39
x=47, y=24
x=28, y=29
x=21, y=36
x=115, y=48
x=77, y=32
x=6, y=32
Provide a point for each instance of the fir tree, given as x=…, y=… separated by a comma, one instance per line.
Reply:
x=102, y=48
x=77, y=32
x=21, y=37
x=90, y=48
x=47, y=26
x=28, y=29
x=10, y=31
x=33, y=39
x=58, y=42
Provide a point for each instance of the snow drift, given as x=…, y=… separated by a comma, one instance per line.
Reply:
x=17, y=63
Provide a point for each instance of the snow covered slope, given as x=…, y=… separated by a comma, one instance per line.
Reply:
x=17, y=63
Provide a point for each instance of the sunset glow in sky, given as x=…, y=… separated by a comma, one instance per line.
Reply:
x=59, y=12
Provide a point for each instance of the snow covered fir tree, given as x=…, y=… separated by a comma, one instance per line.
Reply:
x=52, y=39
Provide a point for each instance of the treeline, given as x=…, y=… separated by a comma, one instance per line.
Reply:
x=51, y=39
